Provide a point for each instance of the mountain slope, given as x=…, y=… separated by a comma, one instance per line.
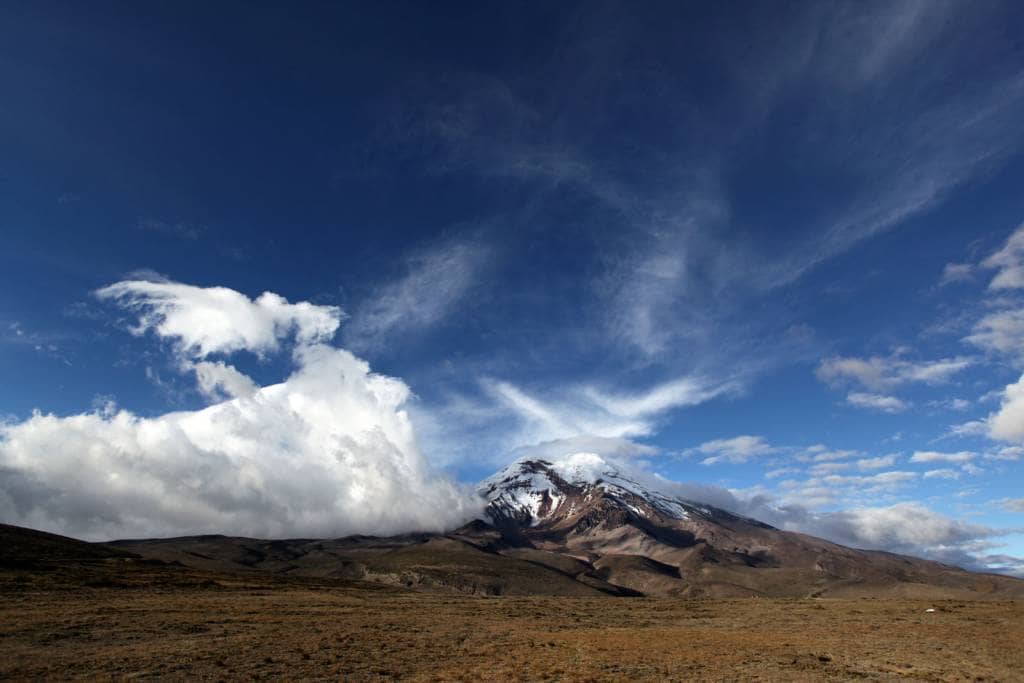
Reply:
x=579, y=526
x=635, y=537
x=460, y=562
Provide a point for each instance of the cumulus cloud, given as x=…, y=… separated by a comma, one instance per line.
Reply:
x=207, y=320
x=329, y=451
x=1008, y=263
x=1007, y=424
x=738, y=449
x=879, y=373
x=220, y=381
x=885, y=404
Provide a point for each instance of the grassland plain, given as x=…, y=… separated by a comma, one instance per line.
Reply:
x=239, y=629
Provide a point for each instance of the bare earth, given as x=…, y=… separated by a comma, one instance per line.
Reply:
x=240, y=629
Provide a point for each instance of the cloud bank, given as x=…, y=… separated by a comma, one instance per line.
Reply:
x=329, y=451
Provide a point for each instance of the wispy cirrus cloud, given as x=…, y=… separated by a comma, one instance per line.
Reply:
x=176, y=229
x=434, y=283
x=593, y=411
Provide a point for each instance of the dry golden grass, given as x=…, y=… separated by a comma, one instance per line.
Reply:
x=249, y=630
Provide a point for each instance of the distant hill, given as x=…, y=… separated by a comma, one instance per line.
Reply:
x=30, y=548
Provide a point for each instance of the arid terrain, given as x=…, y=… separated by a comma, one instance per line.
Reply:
x=75, y=610
x=238, y=630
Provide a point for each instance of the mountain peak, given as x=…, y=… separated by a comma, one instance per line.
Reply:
x=533, y=491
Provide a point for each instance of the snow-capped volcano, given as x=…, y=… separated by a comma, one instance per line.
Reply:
x=586, y=525
x=533, y=491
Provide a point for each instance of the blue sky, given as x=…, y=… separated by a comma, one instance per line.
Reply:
x=767, y=248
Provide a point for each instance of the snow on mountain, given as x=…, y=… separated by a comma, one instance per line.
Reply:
x=532, y=490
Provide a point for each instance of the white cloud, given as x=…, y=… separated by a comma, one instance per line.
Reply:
x=822, y=453
x=886, y=404
x=958, y=404
x=1007, y=453
x=882, y=479
x=1008, y=262
x=956, y=272
x=329, y=451
x=686, y=391
x=942, y=474
x=738, y=449
x=207, y=320
x=827, y=487
x=879, y=373
x=1014, y=504
x=1002, y=331
x=969, y=428
x=824, y=468
x=971, y=468
x=936, y=456
x=780, y=472
x=1007, y=424
x=877, y=463
x=904, y=527
x=611, y=448
x=587, y=410
x=434, y=283
x=220, y=381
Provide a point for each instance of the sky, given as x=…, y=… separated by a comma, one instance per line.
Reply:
x=316, y=269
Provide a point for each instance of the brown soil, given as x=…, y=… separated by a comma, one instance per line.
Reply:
x=234, y=628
